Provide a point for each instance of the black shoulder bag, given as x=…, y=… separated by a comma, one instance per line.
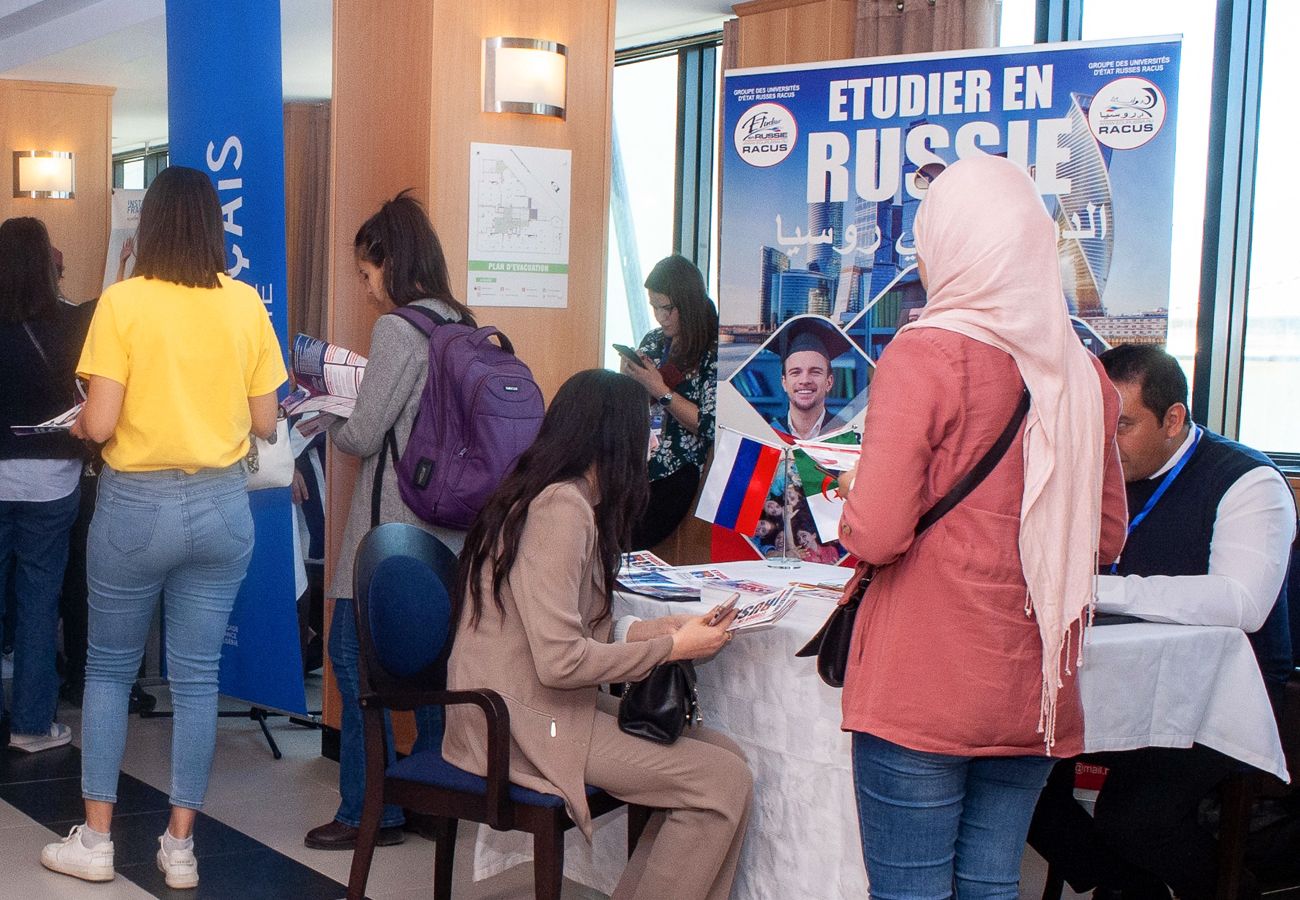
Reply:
x=831, y=644
x=662, y=705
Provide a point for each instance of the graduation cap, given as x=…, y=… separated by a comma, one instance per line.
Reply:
x=814, y=334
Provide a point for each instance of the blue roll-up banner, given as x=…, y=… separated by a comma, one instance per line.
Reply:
x=225, y=112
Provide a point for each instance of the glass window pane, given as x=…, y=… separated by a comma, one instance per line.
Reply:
x=133, y=174
x=1016, y=28
x=1194, y=19
x=1272, y=367
x=641, y=231
x=715, y=225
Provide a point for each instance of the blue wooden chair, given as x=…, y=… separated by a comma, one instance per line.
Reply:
x=402, y=582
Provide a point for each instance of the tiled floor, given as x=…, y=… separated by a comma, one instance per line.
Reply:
x=251, y=846
x=259, y=810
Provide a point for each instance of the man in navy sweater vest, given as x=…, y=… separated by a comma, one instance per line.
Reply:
x=1210, y=529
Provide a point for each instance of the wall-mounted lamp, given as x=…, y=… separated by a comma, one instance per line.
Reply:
x=524, y=75
x=43, y=174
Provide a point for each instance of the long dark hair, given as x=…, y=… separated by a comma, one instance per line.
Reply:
x=29, y=283
x=677, y=279
x=400, y=240
x=597, y=418
x=180, y=236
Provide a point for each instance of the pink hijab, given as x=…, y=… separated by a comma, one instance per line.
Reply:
x=989, y=251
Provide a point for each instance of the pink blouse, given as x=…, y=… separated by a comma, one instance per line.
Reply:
x=945, y=658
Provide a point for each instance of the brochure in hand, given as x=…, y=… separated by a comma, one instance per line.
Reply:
x=327, y=378
x=61, y=422
x=766, y=612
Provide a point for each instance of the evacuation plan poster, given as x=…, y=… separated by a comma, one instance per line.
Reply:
x=518, y=226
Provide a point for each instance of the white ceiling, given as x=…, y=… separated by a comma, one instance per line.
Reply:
x=122, y=43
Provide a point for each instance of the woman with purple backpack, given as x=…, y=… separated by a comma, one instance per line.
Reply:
x=400, y=263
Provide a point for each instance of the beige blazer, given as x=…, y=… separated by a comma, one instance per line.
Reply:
x=545, y=654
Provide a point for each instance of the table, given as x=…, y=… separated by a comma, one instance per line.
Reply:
x=1142, y=685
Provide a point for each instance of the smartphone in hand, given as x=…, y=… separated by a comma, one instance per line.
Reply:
x=720, y=611
x=629, y=354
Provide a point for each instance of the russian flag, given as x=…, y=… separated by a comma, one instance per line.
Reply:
x=739, y=481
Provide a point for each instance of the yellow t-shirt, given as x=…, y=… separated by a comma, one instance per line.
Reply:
x=190, y=358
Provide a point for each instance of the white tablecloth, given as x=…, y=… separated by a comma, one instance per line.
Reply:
x=1151, y=685
x=1142, y=685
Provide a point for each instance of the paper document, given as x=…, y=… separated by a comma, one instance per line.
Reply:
x=646, y=574
x=766, y=612
x=327, y=376
x=61, y=422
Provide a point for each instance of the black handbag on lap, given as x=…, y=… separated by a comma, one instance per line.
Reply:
x=661, y=705
x=831, y=643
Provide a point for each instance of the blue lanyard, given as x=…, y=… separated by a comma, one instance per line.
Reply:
x=1161, y=488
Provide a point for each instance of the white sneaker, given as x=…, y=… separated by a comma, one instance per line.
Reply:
x=180, y=868
x=71, y=857
x=34, y=743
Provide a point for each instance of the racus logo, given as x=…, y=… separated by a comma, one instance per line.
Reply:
x=765, y=134
x=1127, y=113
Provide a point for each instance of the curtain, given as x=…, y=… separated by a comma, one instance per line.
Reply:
x=306, y=214
x=890, y=27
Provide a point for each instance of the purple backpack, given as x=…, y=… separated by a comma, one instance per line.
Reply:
x=479, y=411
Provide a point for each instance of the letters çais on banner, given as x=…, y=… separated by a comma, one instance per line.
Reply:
x=825, y=164
x=225, y=111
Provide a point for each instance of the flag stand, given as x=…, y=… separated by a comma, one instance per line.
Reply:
x=785, y=560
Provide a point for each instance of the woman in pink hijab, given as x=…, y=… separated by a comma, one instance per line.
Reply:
x=960, y=689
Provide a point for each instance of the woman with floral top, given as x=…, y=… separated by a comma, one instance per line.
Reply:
x=679, y=371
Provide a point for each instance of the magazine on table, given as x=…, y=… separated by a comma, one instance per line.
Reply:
x=657, y=583
x=644, y=559
x=747, y=588
x=706, y=576
x=327, y=378
x=646, y=574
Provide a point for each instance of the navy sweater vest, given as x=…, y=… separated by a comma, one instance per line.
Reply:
x=1174, y=538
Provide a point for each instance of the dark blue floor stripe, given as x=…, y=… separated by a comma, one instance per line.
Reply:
x=46, y=786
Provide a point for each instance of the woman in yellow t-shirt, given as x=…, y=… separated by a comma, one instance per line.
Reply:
x=182, y=364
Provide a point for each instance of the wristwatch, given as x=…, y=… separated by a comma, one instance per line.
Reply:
x=666, y=400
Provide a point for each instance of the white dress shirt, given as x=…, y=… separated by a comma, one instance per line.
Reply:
x=1249, y=550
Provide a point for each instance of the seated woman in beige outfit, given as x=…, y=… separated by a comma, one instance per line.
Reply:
x=533, y=611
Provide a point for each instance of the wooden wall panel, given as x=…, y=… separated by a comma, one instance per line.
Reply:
x=406, y=106
x=554, y=342
x=779, y=32
x=37, y=115
x=379, y=145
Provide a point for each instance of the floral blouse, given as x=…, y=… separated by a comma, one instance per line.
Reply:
x=677, y=446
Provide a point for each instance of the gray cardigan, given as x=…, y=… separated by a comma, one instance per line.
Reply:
x=389, y=394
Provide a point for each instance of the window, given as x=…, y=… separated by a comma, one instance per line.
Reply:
x=135, y=169
x=1271, y=371
x=642, y=198
x=1016, y=22
x=665, y=174
x=1194, y=19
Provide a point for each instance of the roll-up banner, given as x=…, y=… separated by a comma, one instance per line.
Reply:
x=225, y=112
x=824, y=166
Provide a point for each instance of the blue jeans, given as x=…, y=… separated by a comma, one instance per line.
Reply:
x=192, y=537
x=35, y=536
x=936, y=826
x=344, y=656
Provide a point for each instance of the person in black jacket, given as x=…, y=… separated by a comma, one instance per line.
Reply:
x=40, y=339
